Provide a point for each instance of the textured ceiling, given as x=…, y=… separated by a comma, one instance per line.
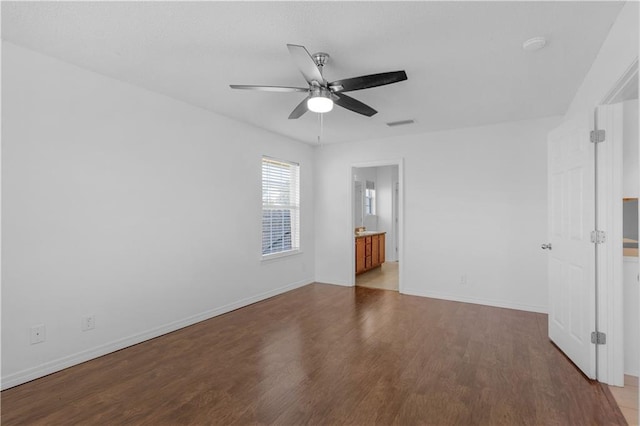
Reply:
x=464, y=60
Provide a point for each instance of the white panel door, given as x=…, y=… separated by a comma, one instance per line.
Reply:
x=571, y=257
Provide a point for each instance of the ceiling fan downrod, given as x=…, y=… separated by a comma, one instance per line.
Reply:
x=320, y=58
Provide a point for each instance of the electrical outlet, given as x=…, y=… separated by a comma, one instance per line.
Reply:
x=463, y=279
x=38, y=334
x=88, y=323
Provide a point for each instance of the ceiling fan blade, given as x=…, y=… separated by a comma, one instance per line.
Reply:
x=367, y=81
x=353, y=105
x=305, y=63
x=299, y=110
x=269, y=88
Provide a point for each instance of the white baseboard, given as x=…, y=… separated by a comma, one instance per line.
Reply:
x=477, y=301
x=329, y=283
x=53, y=366
x=334, y=281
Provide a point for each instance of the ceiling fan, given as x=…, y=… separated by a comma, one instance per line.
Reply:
x=321, y=95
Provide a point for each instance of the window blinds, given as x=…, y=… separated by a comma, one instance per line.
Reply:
x=280, y=206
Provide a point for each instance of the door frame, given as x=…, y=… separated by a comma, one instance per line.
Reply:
x=609, y=297
x=400, y=214
x=394, y=216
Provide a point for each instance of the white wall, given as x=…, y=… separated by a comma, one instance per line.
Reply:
x=631, y=316
x=631, y=177
x=130, y=206
x=384, y=193
x=475, y=203
x=617, y=53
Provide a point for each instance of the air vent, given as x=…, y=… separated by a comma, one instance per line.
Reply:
x=400, y=123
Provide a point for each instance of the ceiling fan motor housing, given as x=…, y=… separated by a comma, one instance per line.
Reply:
x=320, y=58
x=320, y=91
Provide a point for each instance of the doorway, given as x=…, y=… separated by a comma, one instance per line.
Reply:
x=620, y=112
x=376, y=226
x=586, y=300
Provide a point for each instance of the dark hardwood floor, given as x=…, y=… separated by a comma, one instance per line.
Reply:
x=325, y=354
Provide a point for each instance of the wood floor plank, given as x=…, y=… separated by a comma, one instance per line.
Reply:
x=325, y=354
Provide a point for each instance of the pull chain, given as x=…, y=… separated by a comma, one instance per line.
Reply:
x=321, y=116
x=321, y=119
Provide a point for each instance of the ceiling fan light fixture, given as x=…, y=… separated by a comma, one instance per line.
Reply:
x=320, y=101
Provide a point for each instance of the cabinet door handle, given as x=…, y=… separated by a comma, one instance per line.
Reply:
x=546, y=246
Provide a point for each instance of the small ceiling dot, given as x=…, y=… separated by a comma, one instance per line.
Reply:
x=533, y=44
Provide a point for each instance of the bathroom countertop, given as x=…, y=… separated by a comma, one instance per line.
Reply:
x=368, y=233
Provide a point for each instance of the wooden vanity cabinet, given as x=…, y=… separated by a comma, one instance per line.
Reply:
x=370, y=252
x=360, y=243
x=375, y=249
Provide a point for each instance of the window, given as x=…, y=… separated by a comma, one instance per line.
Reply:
x=370, y=198
x=280, y=206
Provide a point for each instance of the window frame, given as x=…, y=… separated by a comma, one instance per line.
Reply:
x=370, y=198
x=294, y=206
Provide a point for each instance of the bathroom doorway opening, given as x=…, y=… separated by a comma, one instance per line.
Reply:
x=376, y=225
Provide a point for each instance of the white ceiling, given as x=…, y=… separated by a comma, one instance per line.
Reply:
x=464, y=60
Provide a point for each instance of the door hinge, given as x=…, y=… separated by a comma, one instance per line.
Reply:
x=597, y=136
x=598, y=337
x=598, y=237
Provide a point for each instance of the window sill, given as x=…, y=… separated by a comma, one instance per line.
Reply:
x=280, y=255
